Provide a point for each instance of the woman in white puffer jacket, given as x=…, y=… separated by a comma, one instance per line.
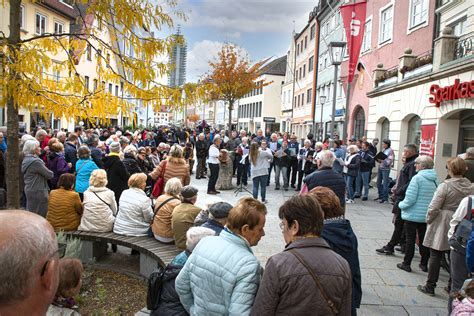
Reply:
x=99, y=203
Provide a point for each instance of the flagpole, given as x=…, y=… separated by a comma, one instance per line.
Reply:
x=344, y=126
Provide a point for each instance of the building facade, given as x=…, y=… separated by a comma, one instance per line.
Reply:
x=260, y=108
x=430, y=101
x=287, y=87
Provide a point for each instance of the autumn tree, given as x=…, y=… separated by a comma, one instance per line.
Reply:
x=232, y=76
x=26, y=63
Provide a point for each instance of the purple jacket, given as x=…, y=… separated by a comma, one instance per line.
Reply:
x=58, y=165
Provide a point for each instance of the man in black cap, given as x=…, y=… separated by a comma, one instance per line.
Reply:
x=218, y=213
x=183, y=215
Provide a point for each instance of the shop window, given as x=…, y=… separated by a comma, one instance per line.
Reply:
x=414, y=130
x=359, y=123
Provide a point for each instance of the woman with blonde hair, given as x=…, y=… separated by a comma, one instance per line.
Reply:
x=135, y=212
x=174, y=166
x=99, y=205
x=164, y=207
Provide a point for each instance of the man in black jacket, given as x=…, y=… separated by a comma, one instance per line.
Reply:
x=202, y=149
x=363, y=178
x=70, y=150
x=96, y=153
x=325, y=176
x=410, y=153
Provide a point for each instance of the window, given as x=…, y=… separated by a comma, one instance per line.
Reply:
x=89, y=52
x=295, y=101
x=309, y=95
x=310, y=64
x=86, y=82
x=40, y=24
x=298, y=104
x=418, y=12
x=386, y=25
x=296, y=75
x=297, y=49
x=367, y=36
x=302, y=99
x=110, y=88
x=459, y=26
x=107, y=58
x=22, y=17
x=301, y=73
x=99, y=54
x=58, y=27
x=95, y=85
x=414, y=130
x=304, y=70
x=116, y=90
x=301, y=46
x=312, y=32
x=359, y=123
x=305, y=41
x=67, y=2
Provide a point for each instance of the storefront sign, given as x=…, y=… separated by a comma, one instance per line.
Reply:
x=269, y=119
x=427, y=145
x=339, y=112
x=459, y=90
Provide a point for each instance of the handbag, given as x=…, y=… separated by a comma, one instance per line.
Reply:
x=155, y=286
x=330, y=303
x=463, y=230
x=159, y=186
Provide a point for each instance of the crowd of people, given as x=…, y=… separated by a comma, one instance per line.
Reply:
x=138, y=184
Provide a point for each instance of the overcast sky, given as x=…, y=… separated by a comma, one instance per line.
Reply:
x=262, y=28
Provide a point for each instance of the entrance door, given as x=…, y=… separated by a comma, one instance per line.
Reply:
x=466, y=132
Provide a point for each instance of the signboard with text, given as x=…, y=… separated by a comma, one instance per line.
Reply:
x=459, y=90
x=428, y=141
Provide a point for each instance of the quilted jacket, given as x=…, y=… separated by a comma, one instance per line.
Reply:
x=418, y=196
x=135, y=213
x=221, y=277
x=99, y=210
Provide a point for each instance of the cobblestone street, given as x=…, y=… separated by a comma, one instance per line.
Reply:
x=386, y=289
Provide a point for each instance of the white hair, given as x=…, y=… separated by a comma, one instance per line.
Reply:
x=130, y=149
x=24, y=138
x=307, y=141
x=470, y=152
x=40, y=133
x=327, y=158
x=426, y=162
x=245, y=139
x=26, y=242
x=195, y=234
x=173, y=187
x=61, y=134
x=29, y=148
x=352, y=149
x=319, y=145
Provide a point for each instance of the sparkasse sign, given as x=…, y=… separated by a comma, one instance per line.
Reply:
x=459, y=90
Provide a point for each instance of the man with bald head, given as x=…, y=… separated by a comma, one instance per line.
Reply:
x=29, y=271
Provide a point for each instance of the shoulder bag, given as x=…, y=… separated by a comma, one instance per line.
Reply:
x=76, y=172
x=330, y=303
x=159, y=186
x=101, y=199
x=463, y=230
x=150, y=231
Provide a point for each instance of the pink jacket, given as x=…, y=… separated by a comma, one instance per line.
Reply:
x=463, y=308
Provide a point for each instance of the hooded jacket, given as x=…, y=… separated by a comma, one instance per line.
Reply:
x=418, y=196
x=340, y=237
x=35, y=174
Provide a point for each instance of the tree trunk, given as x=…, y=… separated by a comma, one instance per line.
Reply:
x=13, y=179
x=231, y=107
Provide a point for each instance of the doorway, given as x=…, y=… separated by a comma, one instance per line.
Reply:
x=466, y=131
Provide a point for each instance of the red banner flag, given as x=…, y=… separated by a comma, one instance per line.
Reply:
x=353, y=16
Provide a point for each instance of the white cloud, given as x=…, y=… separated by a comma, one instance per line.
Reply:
x=199, y=56
x=248, y=16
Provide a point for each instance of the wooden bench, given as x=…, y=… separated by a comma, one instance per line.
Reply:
x=94, y=246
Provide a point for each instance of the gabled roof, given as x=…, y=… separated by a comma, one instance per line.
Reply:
x=275, y=67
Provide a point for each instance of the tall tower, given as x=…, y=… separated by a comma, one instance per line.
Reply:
x=178, y=56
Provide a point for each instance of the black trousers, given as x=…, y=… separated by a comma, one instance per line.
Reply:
x=292, y=171
x=300, y=179
x=434, y=266
x=214, y=169
x=242, y=170
x=398, y=235
x=411, y=229
x=237, y=159
x=272, y=167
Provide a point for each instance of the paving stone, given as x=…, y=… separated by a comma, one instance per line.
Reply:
x=423, y=311
x=369, y=296
x=371, y=277
x=375, y=310
x=407, y=295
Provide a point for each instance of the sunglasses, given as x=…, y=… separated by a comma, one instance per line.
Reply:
x=61, y=252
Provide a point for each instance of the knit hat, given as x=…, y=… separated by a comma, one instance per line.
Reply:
x=114, y=147
x=189, y=192
x=220, y=210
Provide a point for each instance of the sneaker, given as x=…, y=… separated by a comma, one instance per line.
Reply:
x=349, y=201
x=383, y=202
x=404, y=267
x=379, y=198
x=423, y=267
x=277, y=188
x=357, y=196
x=425, y=290
x=364, y=198
x=286, y=189
x=385, y=250
x=211, y=192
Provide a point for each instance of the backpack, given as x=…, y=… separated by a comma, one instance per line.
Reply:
x=463, y=231
x=155, y=286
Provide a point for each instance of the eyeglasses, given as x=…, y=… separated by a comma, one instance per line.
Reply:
x=61, y=252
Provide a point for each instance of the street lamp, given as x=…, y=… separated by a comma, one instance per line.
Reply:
x=322, y=100
x=336, y=53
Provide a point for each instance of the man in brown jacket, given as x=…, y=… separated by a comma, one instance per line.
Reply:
x=307, y=277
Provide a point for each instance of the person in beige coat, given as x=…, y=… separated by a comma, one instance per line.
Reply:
x=445, y=201
x=164, y=206
x=99, y=204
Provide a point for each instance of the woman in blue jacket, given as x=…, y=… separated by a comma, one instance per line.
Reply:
x=414, y=208
x=84, y=167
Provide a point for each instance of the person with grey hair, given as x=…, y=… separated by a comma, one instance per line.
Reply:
x=183, y=215
x=325, y=176
x=218, y=213
x=164, y=207
x=414, y=207
x=169, y=303
x=130, y=160
x=469, y=160
x=36, y=176
x=29, y=258
x=84, y=168
x=61, y=136
x=96, y=153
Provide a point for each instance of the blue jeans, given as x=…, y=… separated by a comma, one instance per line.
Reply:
x=262, y=181
x=382, y=183
x=350, y=186
x=362, y=181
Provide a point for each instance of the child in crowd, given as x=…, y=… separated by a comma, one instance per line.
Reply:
x=464, y=301
x=70, y=282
